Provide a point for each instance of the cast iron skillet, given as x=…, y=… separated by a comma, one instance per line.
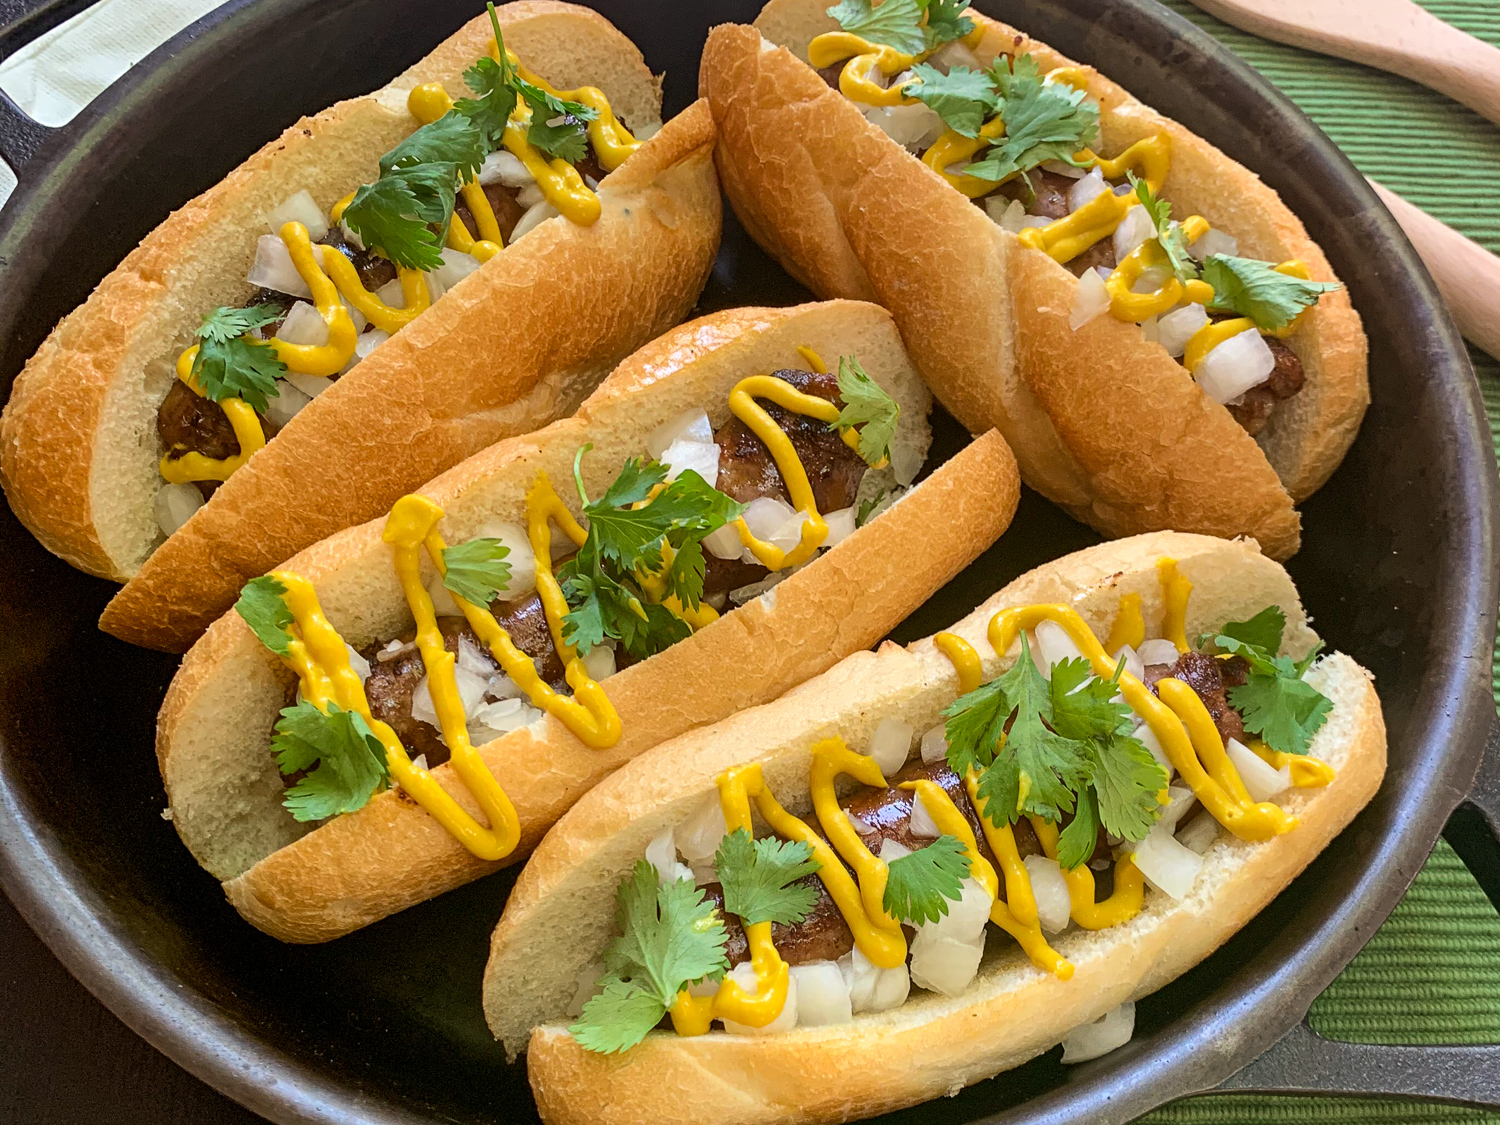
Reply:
x=1398, y=565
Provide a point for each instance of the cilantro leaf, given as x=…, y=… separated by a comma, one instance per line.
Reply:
x=558, y=127
x=920, y=884
x=1170, y=238
x=1083, y=705
x=1263, y=631
x=261, y=605
x=868, y=407
x=670, y=935
x=975, y=724
x=451, y=139
x=895, y=23
x=1284, y=710
x=617, y=1018
x=763, y=879
x=963, y=98
x=1043, y=120
x=395, y=211
x=1126, y=780
x=946, y=21
x=1080, y=836
x=351, y=760
x=604, y=607
x=231, y=364
x=489, y=113
x=1257, y=290
x=477, y=570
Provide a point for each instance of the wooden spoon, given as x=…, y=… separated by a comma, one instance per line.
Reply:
x=1394, y=35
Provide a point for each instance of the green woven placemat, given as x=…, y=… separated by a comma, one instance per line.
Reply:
x=1431, y=974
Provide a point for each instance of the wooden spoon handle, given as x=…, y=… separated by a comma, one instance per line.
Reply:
x=1452, y=62
x=1466, y=273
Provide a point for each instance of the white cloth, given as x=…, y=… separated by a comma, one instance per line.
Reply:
x=55, y=76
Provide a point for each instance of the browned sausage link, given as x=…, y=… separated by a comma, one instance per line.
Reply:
x=1253, y=410
x=503, y=203
x=188, y=422
x=822, y=936
x=1208, y=677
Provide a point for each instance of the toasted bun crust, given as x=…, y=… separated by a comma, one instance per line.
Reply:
x=1103, y=422
x=214, y=729
x=561, y=915
x=519, y=343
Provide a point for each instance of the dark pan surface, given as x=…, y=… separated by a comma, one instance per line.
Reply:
x=385, y=1026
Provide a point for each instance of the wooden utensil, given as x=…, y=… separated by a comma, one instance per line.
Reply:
x=1393, y=35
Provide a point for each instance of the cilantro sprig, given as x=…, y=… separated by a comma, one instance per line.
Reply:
x=351, y=766
x=910, y=26
x=671, y=936
x=1275, y=701
x=1043, y=120
x=1047, y=748
x=231, y=363
x=262, y=606
x=763, y=879
x=920, y=885
x=1170, y=238
x=868, y=409
x=1259, y=291
x=477, y=570
x=963, y=98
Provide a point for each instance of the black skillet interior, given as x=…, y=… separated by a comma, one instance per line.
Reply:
x=385, y=1025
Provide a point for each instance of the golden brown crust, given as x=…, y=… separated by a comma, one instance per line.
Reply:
x=213, y=729
x=1106, y=425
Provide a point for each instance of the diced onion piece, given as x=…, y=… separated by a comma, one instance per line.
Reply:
x=700, y=834
x=501, y=686
x=501, y=167
x=357, y=662
x=646, y=131
x=1009, y=214
x=530, y=195
x=299, y=208
x=273, y=267
x=935, y=745
x=1148, y=739
x=743, y=975
x=1149, y=330
x=661, y=853
x=890, y=745
x=840, y=526
x=955, y=53
x=1262, y=780
x=1151, y=279
x=1111, y=1030
x=700, y=456
x=599, y=663
x=1063, y=168
x=174, y=504
x=916, y=126
x=1179, y=802
x=724, y=543
x=1090, y=300
x=1133, y=663
x=822, y=994
x=534, y=217
x=922, y=824
x=1176, y=328
x=303, y=325
x=283, y=406
x=588, y=984
x=966, y=918
x=391, y=294
x=1199, y=833
x=773, y=521
x=1166, y=864
x=1158, y=650
x=456, y=266
x=690, y=425
x=1054, y=905
x=906, y=462
x=1134, y=229
x=310, y=385
x=367, y=342
x=522, y=558
x=351, y=236
x=470, y=691
x=1233, y=367
x=1054, y=645
x=442, y=600
x=873, y=989
x=1215, y=242
x=1086, y=189
x=490, y=720
x=473, y=658
x=890, y=850
x=944, y=965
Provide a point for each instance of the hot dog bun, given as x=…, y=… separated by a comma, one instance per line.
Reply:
x=1102, y=421
x=561, y=913
x=519, y=343
x=215, y=724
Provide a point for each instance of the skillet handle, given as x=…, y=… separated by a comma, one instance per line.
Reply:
x=21, y=21
x=1474, y=828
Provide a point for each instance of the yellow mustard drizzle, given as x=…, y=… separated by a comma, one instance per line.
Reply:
x=1123, y=903
x=427, y=103
x=965, y=660
x=814, y=360
x=830, y=758
x=1065, y=239
x=1126, y=304
x=1307, y=772
x=955, y=148
x=612, y=142
x=248, y=432
x=863, y=57
x=1129, y=627
x=1211, y=335
x=1175, y=591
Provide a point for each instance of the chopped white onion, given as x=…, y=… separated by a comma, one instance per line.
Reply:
x=822, y=994
x=1090, y=300
x=456, y=266
x=588, y=984
x=1148, y=739
x=1133, y=664
x=1054, y=645
x=470, y=692
x=1166, y=864
x=840, y=526
x=283, y=406
x=442, y=601
x=773, y=521
x=661, y=853
x=501, y=167
x=1199, y=833
x=1158, y=650
x=743, y=975
x=1086, y=189
x=724, y=542
x=935, y=745
x=273, y=267
x=299, y=208
x=1149, y=330
x=1262, y=780
x=690, y=425
x=916, y=126
x=890, y=850
x=357, y=662
x=1054, y=905
x=533, y=218
x=860, y=826
x=500, y=717
x=944, y=965
x=955, y=53
x=922, y=825
x=890, y=745
x=1179, y=801
x=906, y=462
x=1134, y=229
x=1063, y=168
x=1233, y=367
x=391, y=294
x=1151, y=279
x=873, y=989
x=351, y=236
x=1111, y=1030
x=394, y=649
x=599, y=663
x=310, y=385
x=473, y=658
x=700, y=834
x=700, y=456
x=500, y=686
x=175, y=503
x=1214, y=242
x=303, y=325
x=367, y=342
x=1176, y=328
x=530, y=195
x=764, y=588
x=1011, y=214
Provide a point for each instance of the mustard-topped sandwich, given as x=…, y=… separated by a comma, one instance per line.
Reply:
x=401, y=708
x=1153, y=331
x=932, y=863
x=381, y=291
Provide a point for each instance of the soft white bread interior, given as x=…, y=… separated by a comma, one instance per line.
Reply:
x=513, y=346
x=561, y=914
x=1102, y=421
x=215, y=724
